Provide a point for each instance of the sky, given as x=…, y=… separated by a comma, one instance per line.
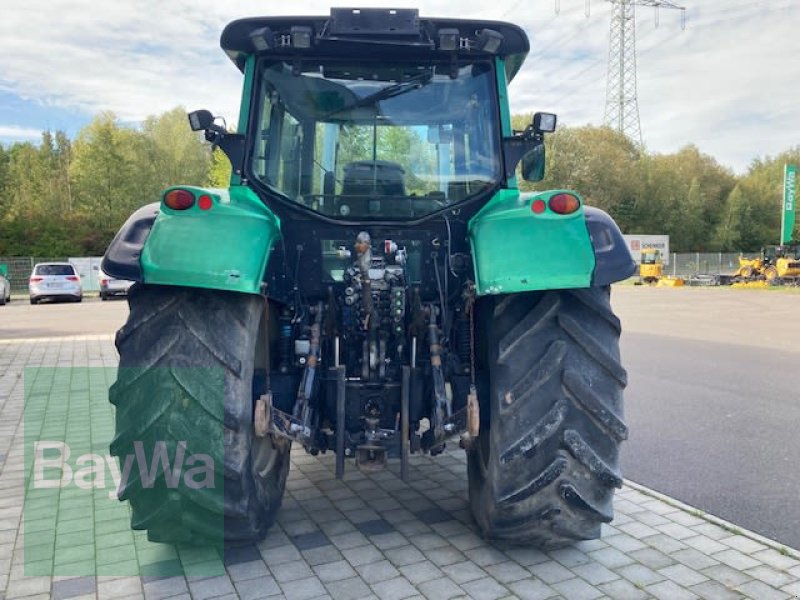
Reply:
x=729, y=82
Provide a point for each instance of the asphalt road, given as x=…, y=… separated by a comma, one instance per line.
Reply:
x=713, y=402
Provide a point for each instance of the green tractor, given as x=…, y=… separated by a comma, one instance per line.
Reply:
x=372, y=283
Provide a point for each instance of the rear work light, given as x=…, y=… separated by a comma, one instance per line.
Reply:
x=564, y=204
x=179, y=199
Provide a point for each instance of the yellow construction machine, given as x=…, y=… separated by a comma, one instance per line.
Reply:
x=651, y=267
x=776, y=265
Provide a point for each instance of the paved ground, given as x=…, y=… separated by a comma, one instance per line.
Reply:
x=364, y=537
x=713, y=401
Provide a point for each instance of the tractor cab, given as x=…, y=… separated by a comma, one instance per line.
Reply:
x=377, y=114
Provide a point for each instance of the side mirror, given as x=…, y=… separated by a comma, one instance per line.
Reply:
x=532, y=164
x=232, y=144
x=200, y=120
x=527, y=147
x=544, y=122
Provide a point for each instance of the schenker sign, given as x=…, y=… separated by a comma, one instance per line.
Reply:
x=636, y=243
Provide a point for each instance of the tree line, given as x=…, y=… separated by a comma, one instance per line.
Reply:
x=68, y=197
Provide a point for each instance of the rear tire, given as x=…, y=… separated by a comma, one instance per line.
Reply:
x=172, y=339
x=544, y=467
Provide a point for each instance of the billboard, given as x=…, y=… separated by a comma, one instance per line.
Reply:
x=636, y=242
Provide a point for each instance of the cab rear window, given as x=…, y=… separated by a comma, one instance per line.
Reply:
x=55, y=270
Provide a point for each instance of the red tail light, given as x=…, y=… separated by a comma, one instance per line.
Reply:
x=538, y=206
x=205, y=202
x=73, y=278
x=35, y=279
x=103, y=281
x=564, y=204
x=179, y=199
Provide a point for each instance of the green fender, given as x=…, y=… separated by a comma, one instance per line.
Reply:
x=224, y=247
x=517, y=250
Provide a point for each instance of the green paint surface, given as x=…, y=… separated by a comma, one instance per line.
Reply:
x=515, y=250
x=224, y=248
x=788, y=212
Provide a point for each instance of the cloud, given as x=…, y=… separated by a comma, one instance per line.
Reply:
x=14, y=132
x=728, y=83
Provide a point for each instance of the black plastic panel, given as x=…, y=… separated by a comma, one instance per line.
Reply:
x=613, y=260
x=122, y=256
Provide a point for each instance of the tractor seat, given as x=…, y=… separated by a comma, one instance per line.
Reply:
x=367, y=184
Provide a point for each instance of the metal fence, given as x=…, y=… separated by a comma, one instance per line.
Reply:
x=703, y=263
x=21, y=267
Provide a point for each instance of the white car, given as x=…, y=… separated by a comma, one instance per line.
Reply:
x=5, y=290
x=112, y=287
x=56, y=281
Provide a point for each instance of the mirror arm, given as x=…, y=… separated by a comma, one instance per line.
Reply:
x=517, y=146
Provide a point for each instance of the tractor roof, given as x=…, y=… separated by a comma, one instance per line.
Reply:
x=390, y=33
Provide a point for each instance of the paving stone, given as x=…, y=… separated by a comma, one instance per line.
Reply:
x=322, y=555
x=463, y=572
x=394, y=589
x=334, y=571
x=164, y=588
x=484, y=589
x=532, y=589
x=303, y=589
x=375, y=527
x=352, y=539
x=725, y=575
x=622, y=589
x=694, y=559
x=485, y=555
x=611, y=558
x=386, y=541
x=664, y=543
x=640, y=575
x=760, y=590
x=669, y=590
x=551, y=572
x=683, y=575
x=404, y=555
x=28, y=587
x=279, y=555
x=771, y=576
x=775, y=559
x=444, y=556
x=362, y=555
x=256, y=589
x=506, y=572
x=715, y=532
x=249, y=570
x=570, y=557
x=420, y=572
x=714, y=590
x=577, y=589
x=377, y=571
x=348, y=589
x=743, y=544
x=735, y=559
x=704, y=544
x=442, y=588
x=595, y=573
x=291, y=571
x=311, y=540
x=210, y=588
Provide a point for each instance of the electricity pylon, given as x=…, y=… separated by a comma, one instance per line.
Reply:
x=622, y=105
